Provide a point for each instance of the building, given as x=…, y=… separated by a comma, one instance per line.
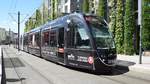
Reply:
x=2, y=35
x=69, y=6
x=6, y=36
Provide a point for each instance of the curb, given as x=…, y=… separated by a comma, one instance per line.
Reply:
x=141, y=69
x=131, y=62
x=136, y=68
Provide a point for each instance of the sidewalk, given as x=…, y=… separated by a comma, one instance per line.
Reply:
x=132, y=62
x=19, y=71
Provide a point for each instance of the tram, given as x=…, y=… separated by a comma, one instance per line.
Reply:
x=76, y=40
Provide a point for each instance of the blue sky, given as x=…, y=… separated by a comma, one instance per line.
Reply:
x=9, y=9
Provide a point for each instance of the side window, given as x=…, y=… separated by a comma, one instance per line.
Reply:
x=25, y=40
x=61, y=37
x=53, y=38
x=37, y=39
x=45, y=38
x=77, y=35
x=81, y=37
x=30, y=40
x=71, y=35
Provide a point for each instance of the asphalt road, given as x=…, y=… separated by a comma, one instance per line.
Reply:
x=23, y=68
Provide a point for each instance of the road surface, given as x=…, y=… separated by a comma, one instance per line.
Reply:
x=24, y=68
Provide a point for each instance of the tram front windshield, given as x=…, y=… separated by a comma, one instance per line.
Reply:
x=101, y=34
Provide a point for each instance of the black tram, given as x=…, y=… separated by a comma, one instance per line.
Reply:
x=76, y=40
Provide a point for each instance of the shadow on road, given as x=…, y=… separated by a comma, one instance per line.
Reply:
x=14, y=80
x=13, y=62
x=125, y=63
x=120, y=68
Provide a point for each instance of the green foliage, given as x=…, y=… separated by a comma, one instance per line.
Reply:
x=54, y=9
x=146, y=25
x=26, y=27
x=113, y=17
x=42, y=18
x=129, y=28
x=101, y=8
x=31, y=24
x=49, y=18
x=85, y=6
x=38, y=18
x=119, y=31
x=44, y=14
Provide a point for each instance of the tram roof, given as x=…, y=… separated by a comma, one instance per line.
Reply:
x=55, y=23
x=35, y=30
x=61, y=21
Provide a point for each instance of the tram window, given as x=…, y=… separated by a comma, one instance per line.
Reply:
x=77, y=35
x=25, y=41
x=61, y=37
x=70, y=36
x=37, y=39
x=53, y=38
x=82, y=39
x=30, y=40
x=46, y=38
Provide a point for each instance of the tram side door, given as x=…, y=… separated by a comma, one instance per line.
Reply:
x=78, y=49
x=60, y=45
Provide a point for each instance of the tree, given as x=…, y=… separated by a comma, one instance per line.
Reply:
x=26, y=27
x=113, y=16
x=129, y=28
x=31, y=24
x=85, y=6
x=38, y=18
x=101, y=8
x=44, y=14
x=119, y=31
x=54, y=9
x=146, y=25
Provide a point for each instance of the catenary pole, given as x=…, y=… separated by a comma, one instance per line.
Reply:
x=18, y=30
x=140, y=26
